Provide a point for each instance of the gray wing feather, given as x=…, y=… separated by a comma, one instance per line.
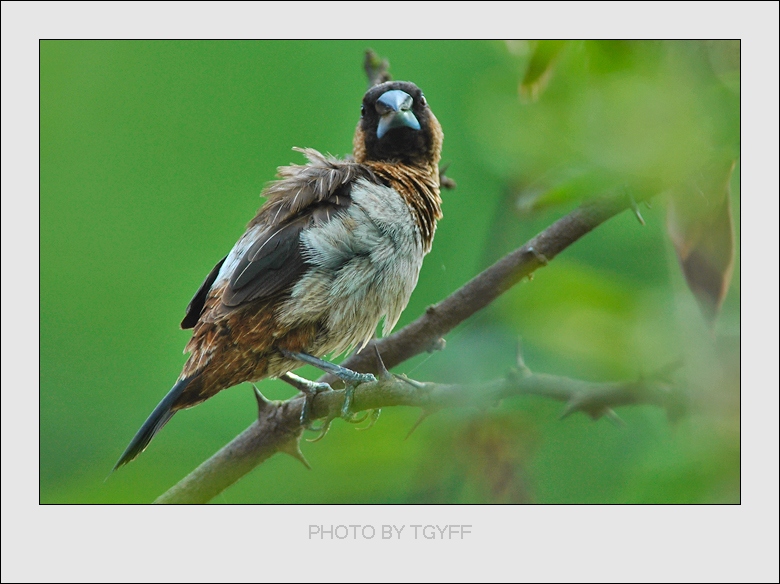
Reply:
x=307, y=195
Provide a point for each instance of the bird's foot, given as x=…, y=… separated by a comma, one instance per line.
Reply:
x=346, y=408
x=309, y=389
x=348, y=376
x=374, y=415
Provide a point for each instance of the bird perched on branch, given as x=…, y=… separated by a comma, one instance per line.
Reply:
x=337, y=246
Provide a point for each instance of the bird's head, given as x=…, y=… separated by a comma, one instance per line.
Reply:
x=396, y=124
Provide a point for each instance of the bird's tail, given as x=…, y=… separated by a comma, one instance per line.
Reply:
x=154, y=423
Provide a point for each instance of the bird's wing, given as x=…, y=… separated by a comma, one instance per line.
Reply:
x=195, y=307
x=268, y=259
x=271, y=262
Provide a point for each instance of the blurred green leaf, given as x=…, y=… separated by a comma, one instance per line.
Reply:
x=540, y=68
x=701, y=228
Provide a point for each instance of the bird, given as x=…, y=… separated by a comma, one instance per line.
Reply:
x=337, y=246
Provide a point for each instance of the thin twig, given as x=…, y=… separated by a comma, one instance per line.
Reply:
x=377, y=69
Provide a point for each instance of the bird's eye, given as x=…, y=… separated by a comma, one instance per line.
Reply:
x=362, y=110
x=423, y=100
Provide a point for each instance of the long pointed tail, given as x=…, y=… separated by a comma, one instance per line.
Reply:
x=153, y=424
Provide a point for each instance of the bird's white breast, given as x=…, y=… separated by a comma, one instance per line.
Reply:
x=365, y=264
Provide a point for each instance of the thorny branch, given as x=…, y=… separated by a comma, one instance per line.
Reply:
x=278, y=427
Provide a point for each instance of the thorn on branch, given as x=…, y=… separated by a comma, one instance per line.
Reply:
x=614, y=418
x=592, y=407
x=540, y=257
x=522, y=368
x=580, y=403
x=293, y=448
x=635, y=209
x=424, y=413
x=415, y=384
x=382, y=371
x=262, y=402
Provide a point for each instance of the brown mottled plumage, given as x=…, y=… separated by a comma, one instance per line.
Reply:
x=420, y=189
x=337, y=246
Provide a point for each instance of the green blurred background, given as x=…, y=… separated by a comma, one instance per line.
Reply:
x=153, y=156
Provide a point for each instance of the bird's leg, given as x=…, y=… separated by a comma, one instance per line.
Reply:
x=350, y=378
x=309, y=389
x=346, y=375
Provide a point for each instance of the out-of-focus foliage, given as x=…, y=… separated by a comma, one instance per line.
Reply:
x=700, y=225
x=153, y=155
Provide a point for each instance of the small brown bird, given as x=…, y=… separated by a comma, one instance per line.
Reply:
x=337, y=246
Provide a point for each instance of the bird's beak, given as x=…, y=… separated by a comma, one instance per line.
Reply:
x=395, y=111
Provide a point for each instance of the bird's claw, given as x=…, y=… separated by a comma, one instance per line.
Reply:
x=308, y=399
x=357, y=419
x=346, y=408
x=309, y=389
x=372, y=421
x=308, y=402
x=322, y=430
